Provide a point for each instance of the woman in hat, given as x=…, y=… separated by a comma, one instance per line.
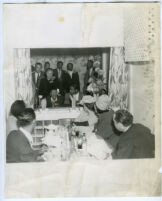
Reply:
x=104, y=127
x=87, y=116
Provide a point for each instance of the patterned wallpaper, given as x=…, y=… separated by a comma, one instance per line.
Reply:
x=78, y=61
x=23, y=78
x=118, y=79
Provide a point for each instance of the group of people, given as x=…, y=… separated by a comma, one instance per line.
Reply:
x=116, y=128
x=57, y=87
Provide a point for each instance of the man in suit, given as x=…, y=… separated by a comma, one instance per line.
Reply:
x=46, y=66
x=89, y=73
x=60, y=74
x=135, y=141
x=72, y=78
x=73, y=97
x=47, y=84
x=37, y=75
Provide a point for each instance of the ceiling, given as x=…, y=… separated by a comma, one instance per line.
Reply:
x=66, y=51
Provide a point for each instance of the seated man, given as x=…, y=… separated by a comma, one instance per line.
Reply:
x=104, y=127
x=54, y=99
x=135, y=141
x=73, y=97
x=47, y=84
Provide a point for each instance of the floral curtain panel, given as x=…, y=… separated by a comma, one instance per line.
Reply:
x=23, y=78
x=118, y=79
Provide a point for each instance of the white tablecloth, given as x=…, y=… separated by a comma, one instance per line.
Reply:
x=58, y=113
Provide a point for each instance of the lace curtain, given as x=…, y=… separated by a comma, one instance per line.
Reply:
x=118, y=79
x=23, y=77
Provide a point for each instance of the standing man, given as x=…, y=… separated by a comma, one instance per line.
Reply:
x=46, y=66
x=88, y=74
x=72, y=78
x=47, y=84
x=37, y=75
x=60, y=75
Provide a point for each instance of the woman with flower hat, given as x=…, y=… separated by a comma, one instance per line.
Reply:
x=87, y=116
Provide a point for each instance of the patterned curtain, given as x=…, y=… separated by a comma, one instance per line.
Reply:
x=118, y=79
x=23, y=77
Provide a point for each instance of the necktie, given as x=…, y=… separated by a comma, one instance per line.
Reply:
x=59, y=74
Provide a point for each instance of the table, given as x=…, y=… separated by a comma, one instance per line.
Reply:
x=56, y=116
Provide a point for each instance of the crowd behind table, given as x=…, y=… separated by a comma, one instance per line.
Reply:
x=113, y=134
x=58, y=87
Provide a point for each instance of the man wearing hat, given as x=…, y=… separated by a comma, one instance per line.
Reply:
x=87, y=116
x=104, y=127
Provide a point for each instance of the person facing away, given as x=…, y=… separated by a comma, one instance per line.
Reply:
x=54, y=99
x=60, y=77
x=47, y=84
x=89, y=73
x=135, y=141
x=16, y=109
x=19, y=142
x=72, y=78
x=104, y=127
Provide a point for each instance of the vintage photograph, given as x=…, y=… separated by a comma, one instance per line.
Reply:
x=82, y=99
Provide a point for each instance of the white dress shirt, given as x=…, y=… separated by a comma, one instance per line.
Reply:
x=70, y=73
x=36, y=76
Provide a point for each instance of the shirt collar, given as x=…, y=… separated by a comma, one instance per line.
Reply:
x=27, y=135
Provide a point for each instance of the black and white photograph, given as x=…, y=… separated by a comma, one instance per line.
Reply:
x=81, y=99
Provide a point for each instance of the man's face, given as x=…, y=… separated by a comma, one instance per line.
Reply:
x=59, y=65
x=46, y=66
x=38, y=68
x=49, y=74
x=69, y=67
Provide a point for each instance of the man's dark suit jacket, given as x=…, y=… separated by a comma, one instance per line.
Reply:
x=37, y=82
x=46, y=86
x=61, y=82
x=74, y=80
x=18, y=148
x=136, y=142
